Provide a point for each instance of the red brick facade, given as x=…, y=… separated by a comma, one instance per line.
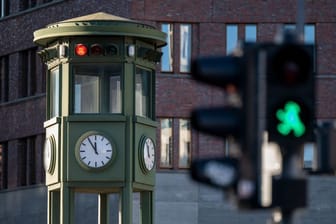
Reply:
x=177, y=93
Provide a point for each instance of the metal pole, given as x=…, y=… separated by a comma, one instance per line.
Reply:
x=300, y=20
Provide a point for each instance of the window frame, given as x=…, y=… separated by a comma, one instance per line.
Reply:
x=185, y=54
x=54, y=92
x=248, y=38
x=174, y=144
x=189, y=147
x=4, y=78
x=103, y=87
x=150, y=90
x=170, y=151
x=4, y=8
x=3, y=165
x=169, y=47
x=231, y=44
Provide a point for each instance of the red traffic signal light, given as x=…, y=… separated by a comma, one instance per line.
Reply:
x=81, y=50
x=96, y=50
x=290, y=65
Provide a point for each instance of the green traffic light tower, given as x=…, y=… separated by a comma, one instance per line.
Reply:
x=100, y=127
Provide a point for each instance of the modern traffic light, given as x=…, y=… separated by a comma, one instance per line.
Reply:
x=240, y=120
x=220, y=71
x=290, y=93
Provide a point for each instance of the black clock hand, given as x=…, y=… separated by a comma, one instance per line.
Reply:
x=94, y=146
x=147, y=151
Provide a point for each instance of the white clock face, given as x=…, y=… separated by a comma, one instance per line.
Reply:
x=149, y=154
x=95, y=151
x=48, y=154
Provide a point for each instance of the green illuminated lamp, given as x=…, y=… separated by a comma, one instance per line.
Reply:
x=290, y=120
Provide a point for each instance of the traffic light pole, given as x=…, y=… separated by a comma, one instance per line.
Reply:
x=290, y=189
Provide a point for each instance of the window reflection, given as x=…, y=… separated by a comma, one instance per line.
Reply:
x=91, y=83
x=142, y=92
x=185, y=47
x=231, y=38
x=167, y=57
x=166, y=143
x=309, y=34
x=251, y=33
x=185, y=143
x=54, y=93
x=86, y=94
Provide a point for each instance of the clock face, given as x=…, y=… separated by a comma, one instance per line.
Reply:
x=48, y=154
x=95, y=151
x=148, y=154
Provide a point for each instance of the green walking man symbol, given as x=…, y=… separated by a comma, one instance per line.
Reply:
x=290, y=120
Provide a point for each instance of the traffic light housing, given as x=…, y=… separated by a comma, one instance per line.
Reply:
x=240, y=120
x=220, y=71
x=290, y=94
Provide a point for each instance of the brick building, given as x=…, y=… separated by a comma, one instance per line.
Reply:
x=207, y=27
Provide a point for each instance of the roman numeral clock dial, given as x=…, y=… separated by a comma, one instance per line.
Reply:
x=95, y=151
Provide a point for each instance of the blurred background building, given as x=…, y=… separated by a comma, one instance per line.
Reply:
x=193, y=27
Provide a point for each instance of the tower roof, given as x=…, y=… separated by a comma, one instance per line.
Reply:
x=99, y=24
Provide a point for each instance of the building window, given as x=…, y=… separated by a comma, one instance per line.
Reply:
x=143, y=92
x=4, y=8
x=166, y=156
x=91, y=82
x=231, y=38
x=175, y=151
x=185, y=47
x=309, y=157
x=308, y=38
x=308, y=32
x=250, y=33
x=185, y=143
x=54, y=92
x=167, y=57
x=28, y=75
x=27, y=161
x=3, y=166
x=27, y=4
x=4, y=81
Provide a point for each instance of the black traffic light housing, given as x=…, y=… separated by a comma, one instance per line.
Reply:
x=290, y=94
x=241, y=121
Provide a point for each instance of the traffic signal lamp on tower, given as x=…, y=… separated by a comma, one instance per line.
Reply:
x=290, y=94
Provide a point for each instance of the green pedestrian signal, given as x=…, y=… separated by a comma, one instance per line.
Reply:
x=290, y=88
x=290, y=120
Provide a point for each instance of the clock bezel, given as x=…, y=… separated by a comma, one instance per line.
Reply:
x=84, y=165
x=50, y=140
x=142, y=162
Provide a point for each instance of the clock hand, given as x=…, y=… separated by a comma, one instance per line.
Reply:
x=94, y=146
x=147, y=151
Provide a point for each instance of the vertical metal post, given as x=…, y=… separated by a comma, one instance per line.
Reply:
x=103, y=208
x=53, y=207
x=300, y=19
x=67, y=204
x=127, y=204
x=147, y=207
